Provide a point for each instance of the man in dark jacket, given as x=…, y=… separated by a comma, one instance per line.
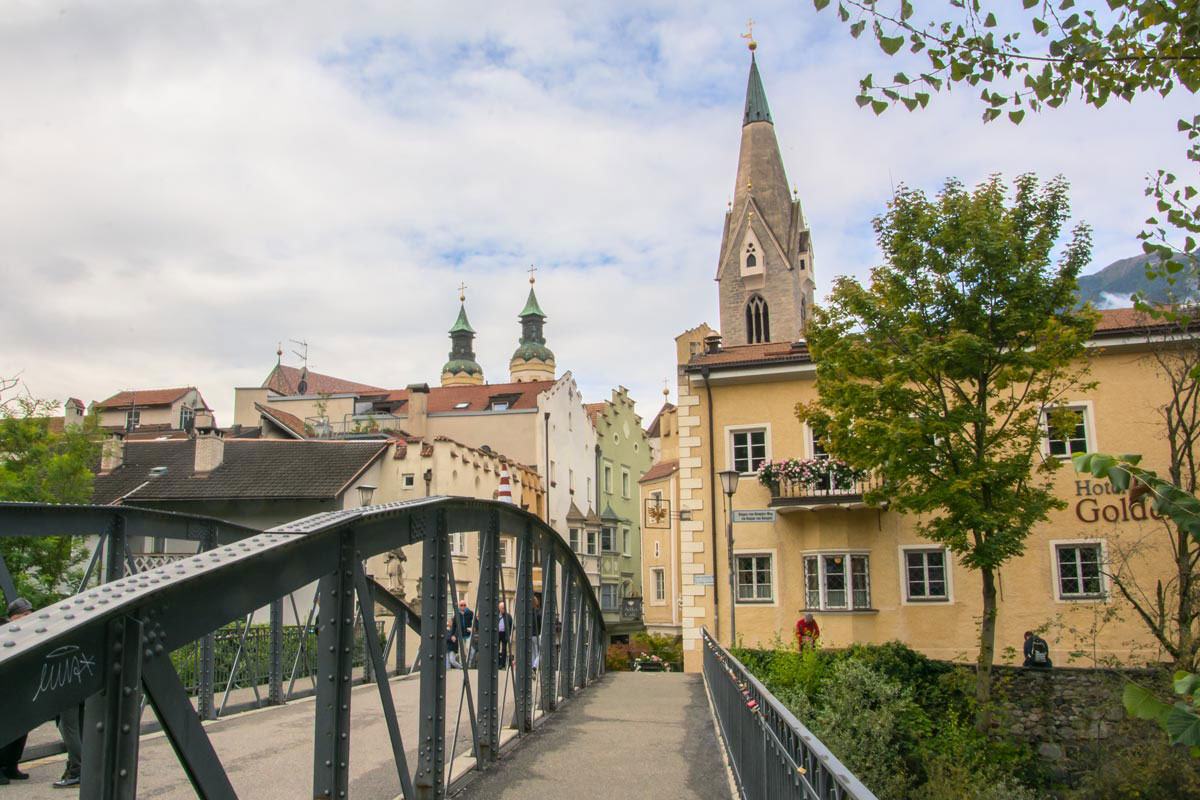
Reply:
x=464, y=627
x=1037, y=652
x=10, y=754
x=504, y=626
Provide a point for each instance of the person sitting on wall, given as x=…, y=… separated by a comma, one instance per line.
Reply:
x=807, y=632
x=1037, y=652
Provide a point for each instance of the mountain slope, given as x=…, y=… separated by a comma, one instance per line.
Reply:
x=1115, y=283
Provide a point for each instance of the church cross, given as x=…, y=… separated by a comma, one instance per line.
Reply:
x=532, y=269
x=462, y=293
x=750, y=27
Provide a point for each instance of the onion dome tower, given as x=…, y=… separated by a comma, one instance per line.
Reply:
x=462, y=369
x=532, y=360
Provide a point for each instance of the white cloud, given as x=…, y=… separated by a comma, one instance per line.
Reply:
x=182, y=186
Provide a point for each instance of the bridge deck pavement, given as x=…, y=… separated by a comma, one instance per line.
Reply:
x=630, y=735
x=267, y=753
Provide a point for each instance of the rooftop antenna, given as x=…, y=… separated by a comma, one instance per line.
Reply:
x=302, y=384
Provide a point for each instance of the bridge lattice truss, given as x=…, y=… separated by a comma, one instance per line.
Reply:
x=109, y=647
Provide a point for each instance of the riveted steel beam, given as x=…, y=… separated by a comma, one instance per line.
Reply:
x=487, y=640
x=568, y=635
x=112, y=717
x=431, y=747
x=335, y=643
x=523, y=635
x=548, y=662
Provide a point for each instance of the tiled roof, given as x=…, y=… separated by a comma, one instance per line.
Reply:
x=594, y=412
x=660, y=470
x=284, y=380
x=653, y=430
x=1112, y=321
x=150, y=397
x=252, y=469
x=444, y=399
x=289, y=422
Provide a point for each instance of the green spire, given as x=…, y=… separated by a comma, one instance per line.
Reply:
x=756, y=98
x=531, y=307
x=461, y=323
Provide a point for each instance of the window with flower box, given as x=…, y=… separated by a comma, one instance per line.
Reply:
x=837, y=581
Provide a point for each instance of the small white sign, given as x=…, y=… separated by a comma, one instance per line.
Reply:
x=704, y=580
x=754, y=515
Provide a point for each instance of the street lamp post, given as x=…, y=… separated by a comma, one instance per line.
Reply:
x=365, y=491
x=729, y=482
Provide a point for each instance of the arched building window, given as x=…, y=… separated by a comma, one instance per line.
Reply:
x=758, y=321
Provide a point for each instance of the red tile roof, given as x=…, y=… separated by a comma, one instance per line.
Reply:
x=284, y=380
x=149, y=397
x=660, y=470
x=444, y=399
x=594, y=412
x=283, y=419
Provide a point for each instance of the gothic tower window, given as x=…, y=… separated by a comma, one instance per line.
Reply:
x=758, y=321
x=751, y=258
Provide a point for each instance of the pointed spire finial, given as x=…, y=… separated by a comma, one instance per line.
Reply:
x=462, y=293
x=532, y=269
x=750, y=35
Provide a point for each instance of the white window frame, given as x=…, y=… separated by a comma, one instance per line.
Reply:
x=187, y=412
x=616, y=587
x=1089, y=427
x=607, y=472
x=757, y=552
x=610, y=531
x=848, y=556
x=458, y=545
x=810, y=443
x=625, y=541
x=592, y=538
x=507, y=550
x=410, y=480
x=730, y=430
x=625, y=482
x=574, y=539
x=658, y=584
x=1055, y=575
x=133, y=418
x=948, y=560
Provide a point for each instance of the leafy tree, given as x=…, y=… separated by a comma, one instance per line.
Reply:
x=939, y=374
x=1180, y=720
x=1038, y=57
x=40, y=465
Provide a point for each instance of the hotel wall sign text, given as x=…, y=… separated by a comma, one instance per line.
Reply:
x=1098, y=501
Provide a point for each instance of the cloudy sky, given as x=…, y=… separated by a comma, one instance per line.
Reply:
x=184, y=184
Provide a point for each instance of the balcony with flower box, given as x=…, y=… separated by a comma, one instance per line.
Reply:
x=816, y=483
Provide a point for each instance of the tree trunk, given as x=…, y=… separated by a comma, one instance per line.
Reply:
x=987, y=649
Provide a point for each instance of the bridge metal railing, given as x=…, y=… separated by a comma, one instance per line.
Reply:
x=109, y=647
x=772, y=753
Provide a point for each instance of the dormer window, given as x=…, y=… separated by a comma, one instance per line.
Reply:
x=758, y=321
x=751, y=256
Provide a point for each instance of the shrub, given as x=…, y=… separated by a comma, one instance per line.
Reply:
x=668, y=648
x=1144, y=767
x=866, y=719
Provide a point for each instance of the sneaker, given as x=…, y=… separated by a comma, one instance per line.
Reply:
x=66, y=781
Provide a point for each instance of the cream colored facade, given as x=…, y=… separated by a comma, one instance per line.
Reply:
x=441, y=466
x=1121, y=415
x=153, y=409
x=659, y=491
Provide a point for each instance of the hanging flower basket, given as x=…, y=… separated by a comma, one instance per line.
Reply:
x=820, y=473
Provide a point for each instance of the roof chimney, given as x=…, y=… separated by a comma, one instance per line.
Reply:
x=210, y=443
x=418, y=409
x=712, y=343
x=112, y=454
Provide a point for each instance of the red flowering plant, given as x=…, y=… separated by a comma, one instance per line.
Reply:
x=821, y=473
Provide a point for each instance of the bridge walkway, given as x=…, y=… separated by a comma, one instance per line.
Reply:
x=629, y=735
x=268, y=752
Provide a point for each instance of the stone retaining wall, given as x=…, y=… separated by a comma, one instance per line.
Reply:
x=1067, y=714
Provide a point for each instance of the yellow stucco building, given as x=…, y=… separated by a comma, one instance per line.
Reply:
x=817, y=547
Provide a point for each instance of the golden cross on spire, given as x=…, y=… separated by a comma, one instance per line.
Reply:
x=532, y=269
x=750, y=34
x=462, y=293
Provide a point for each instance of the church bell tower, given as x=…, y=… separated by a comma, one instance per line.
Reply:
x=765, y=270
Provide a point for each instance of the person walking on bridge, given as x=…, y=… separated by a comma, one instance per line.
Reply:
x=504, y=626
x=10, y=754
